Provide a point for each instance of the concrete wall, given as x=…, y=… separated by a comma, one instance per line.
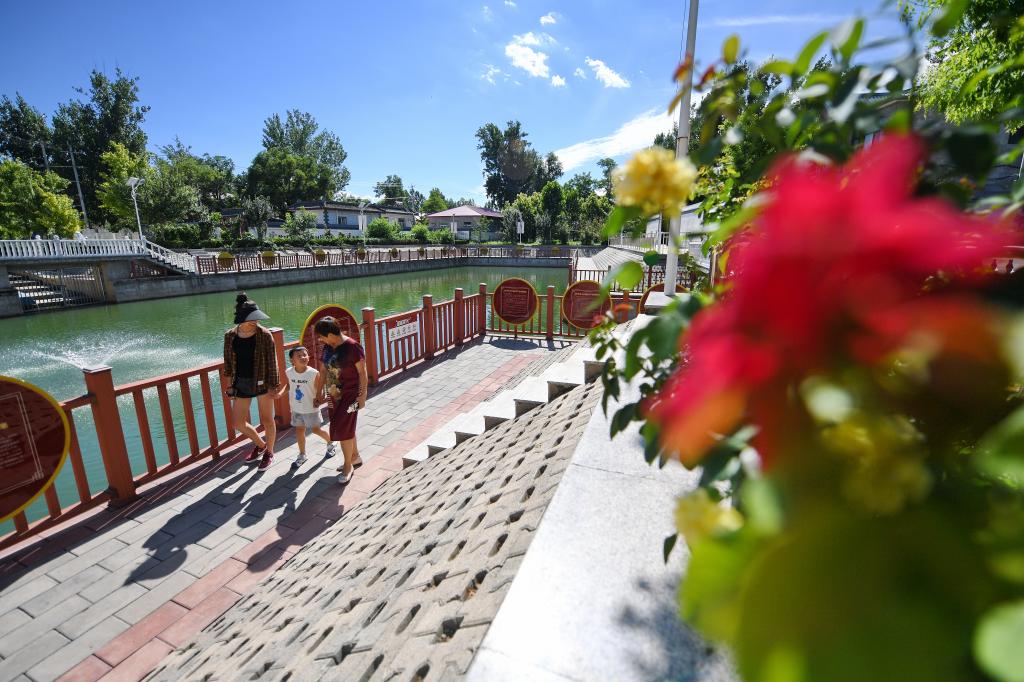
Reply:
x=9, y=303
x=166, y=287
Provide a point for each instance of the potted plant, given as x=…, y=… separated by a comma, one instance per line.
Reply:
x=421, y=251
x=394, y=253
x=556, y=251
x=518, y=251
x=225, y=259
x=269, y=258
x=361, y=253
x=484, y=250
x=320, y=255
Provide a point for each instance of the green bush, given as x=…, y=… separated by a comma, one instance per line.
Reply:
x=442, y=237
x=380, y=228
x=175, y=236
x=420, y=233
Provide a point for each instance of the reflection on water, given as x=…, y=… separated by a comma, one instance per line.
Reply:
x=151, y=338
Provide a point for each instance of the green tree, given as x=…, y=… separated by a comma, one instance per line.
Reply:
x=572, y=207
x=976, y=70
x=667, y=139
x=551, y=203
x=420, y=232
x=608, y=166
x=582, y=183
x=109, y=112
x=547, y=170
x=23, y=132
x=530, y=208
x=300, y=224
x=285, y=178
x=256, y=211
x=382, y=228
x=510, y=163
x=211, y=176
x=300, y=134
x=115, y=198
x=32, y=202
x=391, y=191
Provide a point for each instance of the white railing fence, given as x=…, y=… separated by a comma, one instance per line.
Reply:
x=644, y=244
x=55, y=249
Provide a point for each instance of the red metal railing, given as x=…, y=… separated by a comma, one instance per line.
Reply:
x=203, y=428
x=652, y=275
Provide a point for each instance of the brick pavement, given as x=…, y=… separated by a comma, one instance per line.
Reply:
x=111, y=596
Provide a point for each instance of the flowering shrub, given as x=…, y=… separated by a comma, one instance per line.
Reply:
x=850, y=392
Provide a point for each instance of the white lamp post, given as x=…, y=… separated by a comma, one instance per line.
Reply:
x=133, y=184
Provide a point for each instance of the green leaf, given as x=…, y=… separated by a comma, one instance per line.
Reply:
x=618, y=217
x=1000, y=452
x=997, y=642
x=652, y=258
x=628, y=275
x=622, y=418
x=779, y=67
x=900, y=121
x=846, y=37
x=731, y=49
x=668, y=545
x=951, y=14
x=803, y=61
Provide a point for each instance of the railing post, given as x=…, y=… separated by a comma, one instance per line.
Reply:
x=370, y=345
x=282, y=409
x=482, y=309
x=460, y=317
x=428, y=326
x=626, y=311
x=110, y=436
x=550, y=335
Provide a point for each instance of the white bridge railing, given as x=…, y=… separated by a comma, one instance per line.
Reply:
x=644, y=244
x=63, y=249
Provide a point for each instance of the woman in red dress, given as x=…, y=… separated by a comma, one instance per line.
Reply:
x=344, y=366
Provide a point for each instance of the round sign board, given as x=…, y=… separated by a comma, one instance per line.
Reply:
x=680, y=289
x=34, y=441
x=346, y=320
x=515, y=301
x=582, y=302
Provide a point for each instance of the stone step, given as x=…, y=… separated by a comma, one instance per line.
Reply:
x=531, y=393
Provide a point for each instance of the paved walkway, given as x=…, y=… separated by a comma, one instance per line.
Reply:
x=112, y=596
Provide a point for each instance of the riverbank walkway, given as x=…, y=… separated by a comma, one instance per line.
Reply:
x=114, y=594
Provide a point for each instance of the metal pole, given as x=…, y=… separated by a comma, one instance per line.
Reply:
x=46, y=160
x=682, y=142
x=81, y=199
x=138, y=220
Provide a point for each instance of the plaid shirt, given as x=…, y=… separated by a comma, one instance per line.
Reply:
x=265, y=361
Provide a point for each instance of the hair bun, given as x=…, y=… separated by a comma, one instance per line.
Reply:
x=241, y=299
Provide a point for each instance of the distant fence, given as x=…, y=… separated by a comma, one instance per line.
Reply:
x=204, y=430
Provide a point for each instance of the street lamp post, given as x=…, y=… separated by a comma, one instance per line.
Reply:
x=133, y=184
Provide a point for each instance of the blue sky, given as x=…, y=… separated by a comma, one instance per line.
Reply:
x=405, y=85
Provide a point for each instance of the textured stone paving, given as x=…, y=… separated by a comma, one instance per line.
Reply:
x=406, y=584
x=111, y=596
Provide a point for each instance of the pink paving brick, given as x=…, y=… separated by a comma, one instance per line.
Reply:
x=369, y=482
x=139, y=664
x=271, y=537
x=248, y=579
x=129, y=641
x=195, y=593
x=198, y=618
x=89, y=670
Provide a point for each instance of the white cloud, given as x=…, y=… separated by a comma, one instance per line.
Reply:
x=527, y=59
x=580, y=73
x=488, y=14
x=637, y=133
x=548, y=18
x=558, y=81
x=767, y=19
x=510, y=3
x=533, y=40
x=606, y=75
x=490, y=73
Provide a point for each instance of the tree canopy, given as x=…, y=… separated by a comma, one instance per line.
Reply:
x=34, y=203
x=511, y=165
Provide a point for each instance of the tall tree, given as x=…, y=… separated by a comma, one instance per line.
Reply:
x=551, y=201
x=285, y=178
x=608, y=166
x=23, y=132
x=300, y=134
x=211, y=176
x=391, y=191
x=110, y=112
x=256, y=211
x=510, y=163
x=32, y=202
x=435, y=201
x=547, y=170
x=582, y=183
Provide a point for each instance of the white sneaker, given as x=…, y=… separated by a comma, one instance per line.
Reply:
x=299, y=461
x=330, y=451
x=344, y=478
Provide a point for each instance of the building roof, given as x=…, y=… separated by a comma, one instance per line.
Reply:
x=409, y=580
x=465, y=212
x=338, y=205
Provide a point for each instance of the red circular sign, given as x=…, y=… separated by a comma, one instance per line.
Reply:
x=346, y=320
x=515, y=301
x=583, y=304
x=34, y=441
x=680, y=289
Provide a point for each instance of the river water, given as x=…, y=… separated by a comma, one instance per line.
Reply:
x=150, y=338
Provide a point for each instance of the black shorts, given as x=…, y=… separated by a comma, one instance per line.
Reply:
x=245, y=387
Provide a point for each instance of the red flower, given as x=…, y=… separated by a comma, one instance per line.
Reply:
x=832, y=251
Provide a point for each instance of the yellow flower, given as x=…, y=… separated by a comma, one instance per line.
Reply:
x=655, y=181
x=697, y=516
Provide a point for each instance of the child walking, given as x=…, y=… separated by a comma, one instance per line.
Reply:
x=303, y=391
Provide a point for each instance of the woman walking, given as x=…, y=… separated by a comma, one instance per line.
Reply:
x=344, y=367
x=250, y=368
